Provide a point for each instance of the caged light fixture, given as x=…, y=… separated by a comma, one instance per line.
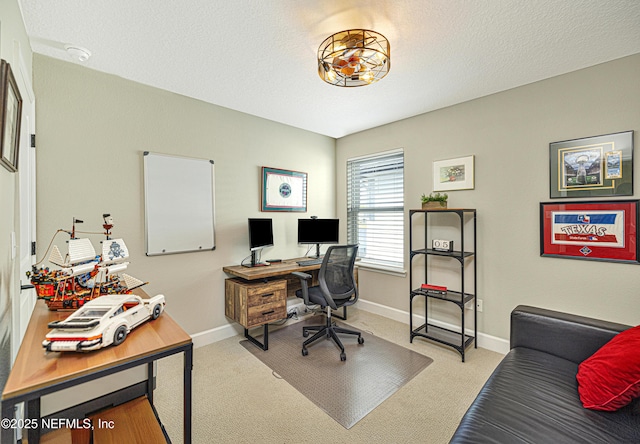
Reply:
x=355, y=57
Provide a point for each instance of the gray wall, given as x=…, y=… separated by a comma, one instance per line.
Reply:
x=509, y=134
x=92, y=131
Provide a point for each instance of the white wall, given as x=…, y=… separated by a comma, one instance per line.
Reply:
x=13, y=44
x=509, y=134
x=92, y=131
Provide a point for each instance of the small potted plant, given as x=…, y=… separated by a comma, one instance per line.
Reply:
x=434, y=201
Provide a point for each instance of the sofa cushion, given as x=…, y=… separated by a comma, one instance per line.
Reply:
x=532, y=396
x=610, y=378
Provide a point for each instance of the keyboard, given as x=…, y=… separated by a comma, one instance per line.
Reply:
x=306, y=263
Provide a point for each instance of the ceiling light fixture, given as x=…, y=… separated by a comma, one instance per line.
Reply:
x=78, y=53
x=355, y=57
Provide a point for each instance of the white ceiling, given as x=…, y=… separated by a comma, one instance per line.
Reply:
x=259, y=56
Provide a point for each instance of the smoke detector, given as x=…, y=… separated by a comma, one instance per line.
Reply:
x=78, y=53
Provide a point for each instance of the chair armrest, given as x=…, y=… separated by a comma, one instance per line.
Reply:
x=304, y=277
x=301, y=275
x=565, y=335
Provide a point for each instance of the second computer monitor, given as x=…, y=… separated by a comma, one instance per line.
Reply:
x=318, y=231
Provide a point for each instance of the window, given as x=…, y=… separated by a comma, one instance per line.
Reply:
x=375, y=208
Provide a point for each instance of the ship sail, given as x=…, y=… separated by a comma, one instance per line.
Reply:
x=56, y=257
x=80, y=250
x=80, y=269
x=111, y=269
x=132, y=282
x=114, y=254
x=114, y=251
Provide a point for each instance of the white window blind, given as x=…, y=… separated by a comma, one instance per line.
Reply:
x=375, y=208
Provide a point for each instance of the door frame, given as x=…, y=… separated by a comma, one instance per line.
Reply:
x=24, y=299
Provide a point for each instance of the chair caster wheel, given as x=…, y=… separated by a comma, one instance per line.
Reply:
x=305, y=352
x=305, y=334
x=360, y=340
x=343, y=357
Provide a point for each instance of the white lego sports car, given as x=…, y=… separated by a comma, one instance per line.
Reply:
x=101, y=322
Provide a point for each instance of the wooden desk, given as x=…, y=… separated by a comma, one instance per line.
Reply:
x=276, y=269
x=35, y=374
x=255, y=300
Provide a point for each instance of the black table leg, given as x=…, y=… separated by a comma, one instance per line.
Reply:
x=150, y=382
x=33, y=412
x=263, y=345
x=188, y=367
x=7, y=433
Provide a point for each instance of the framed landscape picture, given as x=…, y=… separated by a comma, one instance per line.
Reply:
x=593, y=166
x=453, y=174
x=604, y=231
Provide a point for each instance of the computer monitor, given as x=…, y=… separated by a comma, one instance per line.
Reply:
x=318, y=231
x=260, y=235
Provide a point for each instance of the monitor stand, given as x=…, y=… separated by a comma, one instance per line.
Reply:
x=317, y=251
x=254, y=260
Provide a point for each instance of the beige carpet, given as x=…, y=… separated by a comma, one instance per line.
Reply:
x=237, y=399
x=345, y=390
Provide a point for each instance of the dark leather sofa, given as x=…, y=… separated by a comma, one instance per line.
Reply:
x=532, y=396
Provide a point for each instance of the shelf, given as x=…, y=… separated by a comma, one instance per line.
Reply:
x=443, y=336
x=467, y=249
x=444, y=210
x=451, y=296
x=133, y=421
x=455, y=254
x=58, y=436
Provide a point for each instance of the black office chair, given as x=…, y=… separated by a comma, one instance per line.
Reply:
x=337, y=288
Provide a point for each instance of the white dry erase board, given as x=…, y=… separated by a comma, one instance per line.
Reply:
x=178, y=204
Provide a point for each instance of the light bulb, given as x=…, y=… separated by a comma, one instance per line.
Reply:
x=367, y=77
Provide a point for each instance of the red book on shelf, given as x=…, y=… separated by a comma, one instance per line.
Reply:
x=434, y=287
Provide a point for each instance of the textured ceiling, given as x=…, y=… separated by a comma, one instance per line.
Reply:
x=259, y=57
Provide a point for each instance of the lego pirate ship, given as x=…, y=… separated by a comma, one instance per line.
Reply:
x=83, y=275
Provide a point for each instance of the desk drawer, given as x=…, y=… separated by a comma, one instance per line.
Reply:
x=263, y=314
x=255, y=303
x=266, y=294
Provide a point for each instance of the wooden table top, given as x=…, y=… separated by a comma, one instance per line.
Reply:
x=35, y=369
x=285, y=267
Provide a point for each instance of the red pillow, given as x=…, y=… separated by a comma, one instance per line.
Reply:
x=610, y=378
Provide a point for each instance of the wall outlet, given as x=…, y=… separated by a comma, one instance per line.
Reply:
x=479, y=305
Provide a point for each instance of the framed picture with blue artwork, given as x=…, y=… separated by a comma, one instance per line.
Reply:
x=283, y=190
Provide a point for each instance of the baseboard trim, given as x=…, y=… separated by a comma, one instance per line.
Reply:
x=216, y=334
x=486, y=341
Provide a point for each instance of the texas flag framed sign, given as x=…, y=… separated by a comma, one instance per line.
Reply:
x=605, y=231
